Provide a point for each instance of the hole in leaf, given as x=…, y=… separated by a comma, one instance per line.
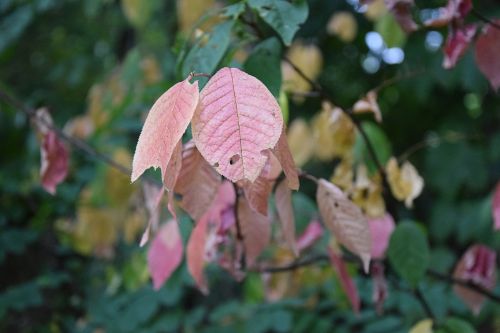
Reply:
x=336, y=204
x=235, y=158
x=216, y=165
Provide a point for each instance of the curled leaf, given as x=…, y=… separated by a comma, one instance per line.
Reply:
x=487, y=51
x=345, y=280
x=165, y=253
x=345, y=220
x=380, y=231
x=283, y=198
x=368, y=104
x=457, y=43
x=236, y=121
x=152, y=198
x=165, y=124
x=284, y=156
x=54, y=161
x=405, y=182
x=455, y=10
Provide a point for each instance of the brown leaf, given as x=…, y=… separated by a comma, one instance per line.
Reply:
x=283, y=198
x=345, y=220
x=54, y=162
x=282, y=152
x=368, y=104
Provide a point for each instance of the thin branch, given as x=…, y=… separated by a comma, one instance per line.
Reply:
x=485, y=19
x=296, y=264
x=308, y=176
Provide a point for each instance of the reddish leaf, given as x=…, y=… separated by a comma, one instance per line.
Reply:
x=202, y=241
x=283, y=198
x=238, y=118
x=477, y=265
x=380, y=230
x=165, y=253
x=456, y=44
x=313, y=232
x=345, y=280
x=54, y=162
x=173, y=167
x=495, y=208
x=197, y=183
x=487, y=54
x=455, y=10
x=380, y=290
x=152, y=198
x=164, y=127
x=282, y=152
x=255, y=229
x=401, y=9
x=345, y=220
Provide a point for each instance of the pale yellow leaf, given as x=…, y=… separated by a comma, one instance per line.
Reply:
x=344, y=25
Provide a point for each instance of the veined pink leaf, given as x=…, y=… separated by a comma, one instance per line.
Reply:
x=457, y=43
x=255, y=229
x=455, y=10
x=282, y=152
x=380, y=289
x=236, y=121
x=165, y=124
x=495, y=208
x=54, y=161
x=197, y=183
x=313, y=232
x=487, y=51
x=283, y=198
x=201, y=242
x=380, y=230
x=152, y=198
x=345, y=220
x=165, y=253
x=345, y=280
x=477, y=265
x=401, y=9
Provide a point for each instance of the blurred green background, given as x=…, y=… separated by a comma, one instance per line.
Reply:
x=71, y=262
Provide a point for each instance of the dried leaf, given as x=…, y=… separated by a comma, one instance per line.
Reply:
x=368, y=104
x=380, y=231
x=197, y=183
x=477, y=265
x=284, y=156
x=406, y=184
x=259, y=191
x=255, y=229
x=54, y=162
x=457, y=43
x=164, y=127
x=283, y=198
x=345, y=280
x=495, y=208
x=345, y=220
x=487, y=51
x=237, y=119
x=165, y=253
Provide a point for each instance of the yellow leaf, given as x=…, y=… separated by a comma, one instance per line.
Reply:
x=343, y=175
x=375, y=10
x=405, y=182
x=307, y=58
x=300, y=141
x=333, y=132
x=132, y=226
x=117, y=185
x=368, y=104
x=343, y=25
x=423, y=326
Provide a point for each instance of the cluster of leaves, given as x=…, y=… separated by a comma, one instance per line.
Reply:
x=238, y=132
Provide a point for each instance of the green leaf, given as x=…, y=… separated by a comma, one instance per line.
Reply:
x=208, y=50
x=380, y=143
x=456, y=325
x=14, y=24
x=409, y=252
x=233, y=11
x=390, y=31
x=284, y=17
x=265, y=64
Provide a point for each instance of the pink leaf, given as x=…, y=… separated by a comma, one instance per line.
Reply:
x=401, y=9
x=455, y=10
x=165, y=253
x=345, y=220
x=313, y=232
x=173, y=167
x=495, y=208
x=345, y=280
x=164, y=127
x=282, y=152
x=487, y=51
x=380, y=290
x=196, y=253
x=197, y=183
x=380, y=230
x=283, y=198
x=456, y=44
x=236, y=121
x=255, y=229
x=54, y=162
x=477, y=265
x=152, y=198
